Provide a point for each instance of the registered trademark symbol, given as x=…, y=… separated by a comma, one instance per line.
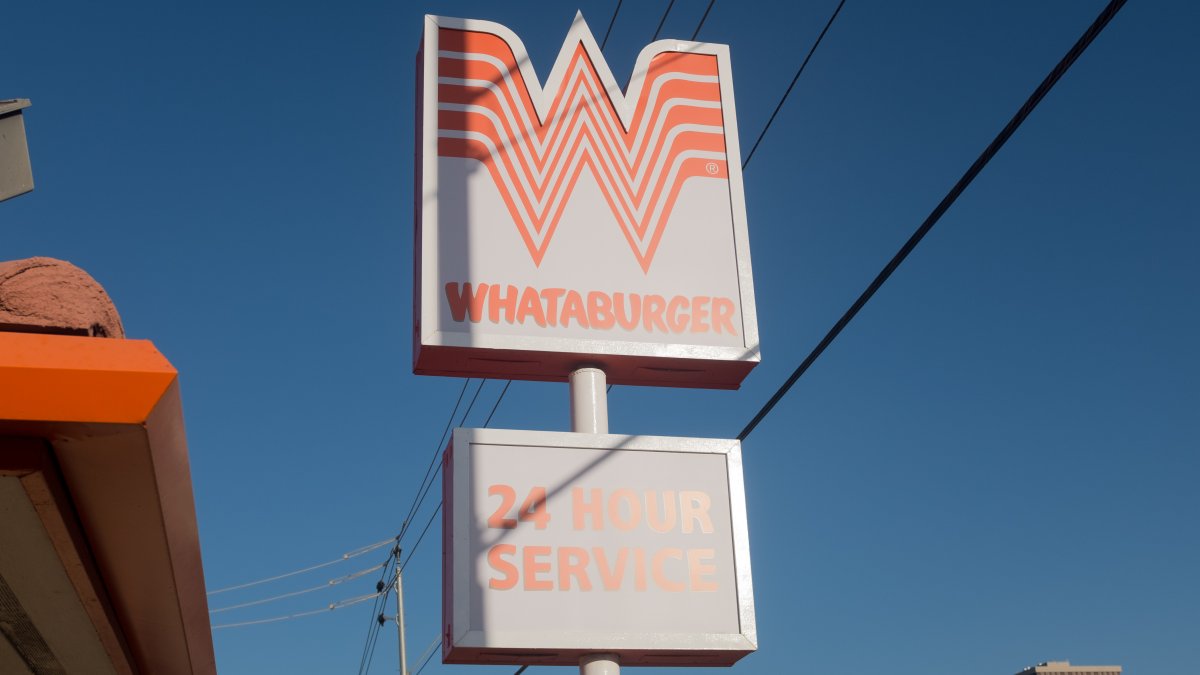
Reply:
x=712, y=168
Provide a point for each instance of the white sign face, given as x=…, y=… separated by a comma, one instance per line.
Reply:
x=574, y=223
x=560, y=544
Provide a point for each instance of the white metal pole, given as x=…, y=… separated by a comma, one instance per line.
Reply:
x=400, y=621
x=589, y=401
x=589, y=415
x=599, y=664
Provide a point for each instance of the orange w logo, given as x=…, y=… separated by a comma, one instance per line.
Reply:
x=640, y=148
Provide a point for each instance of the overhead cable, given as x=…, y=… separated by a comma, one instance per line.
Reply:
x=702, y=19
x=332, y=606
x=799, y=70
x=497, y=404
x=327, y=584
x=976, y=167
x=663, y=20
x=427, y=482
x=345, y=556
x=432, y=649
x=384, y=590
x=437, y=448
x=413, y=549
x=611, y=21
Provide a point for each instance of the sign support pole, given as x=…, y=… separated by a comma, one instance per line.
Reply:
x=589, y=401
x=589, y=415
x=400, y=619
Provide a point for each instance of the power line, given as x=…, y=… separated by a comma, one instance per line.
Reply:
x=988, y=153
x=345, y=556
x=432, y=649
x=449, y=421
x=611, y=21
x=663, y=20
x=702, y=19
x=427, y=482
x=327, y=584
x=332, y=606
x=383, y=590
x=429, y=522
x=799, y=70
x=497, y=403
x=364, y=663
x=425, y=486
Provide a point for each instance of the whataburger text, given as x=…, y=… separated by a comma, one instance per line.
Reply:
x=598, y=310
x=672, y=569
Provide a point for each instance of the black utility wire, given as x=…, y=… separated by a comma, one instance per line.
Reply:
x=497, y=403
x=611, y=21
x=364, y=662
x=368, y=653
x=427, y=483
x=988, y=153
x=663, y=20
x=413, y=550
x=412, y=509
x=702, y=19
x=799, y=70
x=426, y=661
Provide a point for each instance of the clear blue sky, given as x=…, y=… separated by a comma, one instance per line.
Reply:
x=996, y=464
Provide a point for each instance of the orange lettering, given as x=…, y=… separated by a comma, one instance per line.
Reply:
x=652, y=309
x=534, y=567
x=723, y=315
x=614, y=509
x=678, y=322
x=600, y=310
x=579, y=509
x=660, y=575
x=635, y=310
x=693, y=507
x=531, y=306
x=611, y=577
x=501, y=565
x=700, y=313
x=508, y=497
x=657, y=522
x=507, y=302
x=577, y=569
x=573, y=309
x=639, y=569
x=698, y=570
x=465, y=303
x=552, y=295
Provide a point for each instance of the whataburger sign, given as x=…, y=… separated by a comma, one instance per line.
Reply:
x=572, y=223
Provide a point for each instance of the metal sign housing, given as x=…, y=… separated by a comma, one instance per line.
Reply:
x=572, y=223
x=559, y=544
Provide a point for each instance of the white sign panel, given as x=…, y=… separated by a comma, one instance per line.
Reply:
x=575, y=223
x=561, y=544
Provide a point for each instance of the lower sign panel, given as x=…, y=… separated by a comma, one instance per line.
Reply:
x=561, y=544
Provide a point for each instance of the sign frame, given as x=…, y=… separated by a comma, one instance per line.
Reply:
x=669, y=363
x=462, y=645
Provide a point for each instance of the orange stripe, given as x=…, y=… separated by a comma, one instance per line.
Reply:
x=597, y=108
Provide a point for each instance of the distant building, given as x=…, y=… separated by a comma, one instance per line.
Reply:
x=1065, y=668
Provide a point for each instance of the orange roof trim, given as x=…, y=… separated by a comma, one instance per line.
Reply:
x=58, y=378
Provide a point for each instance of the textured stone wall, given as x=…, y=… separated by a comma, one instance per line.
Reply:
x=46, y=295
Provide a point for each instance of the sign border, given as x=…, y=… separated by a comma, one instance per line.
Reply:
x=462, y=645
